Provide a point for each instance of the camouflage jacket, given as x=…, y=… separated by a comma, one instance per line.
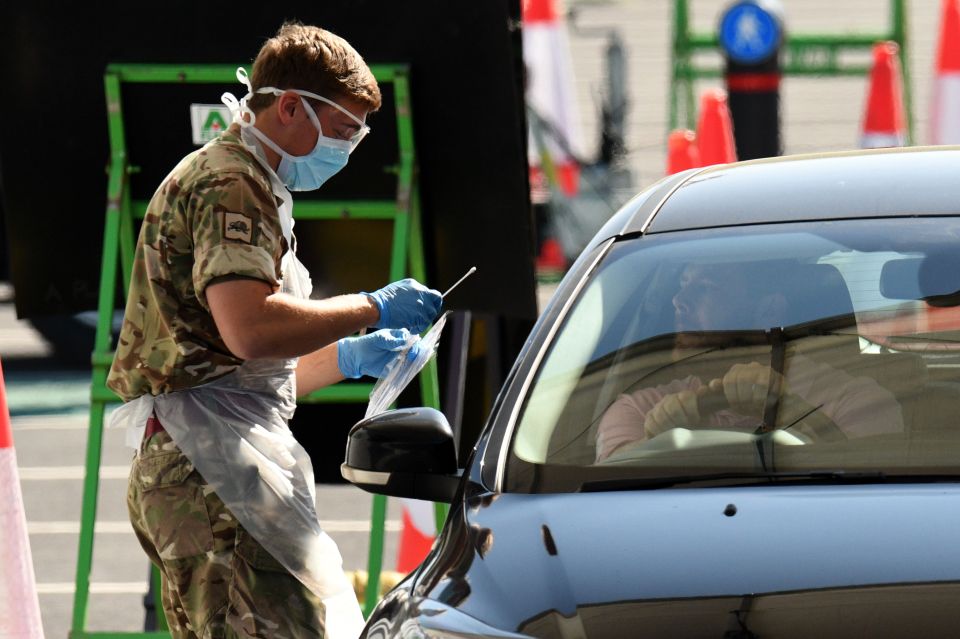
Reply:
x=215, y=215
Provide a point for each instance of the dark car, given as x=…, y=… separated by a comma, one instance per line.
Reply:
x=739, y=416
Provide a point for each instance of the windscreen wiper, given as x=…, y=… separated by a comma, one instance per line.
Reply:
x=733, y=479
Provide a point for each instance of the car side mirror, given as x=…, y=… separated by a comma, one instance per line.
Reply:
x=407, y=452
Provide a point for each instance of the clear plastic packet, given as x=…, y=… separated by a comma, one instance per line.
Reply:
x=401, y=371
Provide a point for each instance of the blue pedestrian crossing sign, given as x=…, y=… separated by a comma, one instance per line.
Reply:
x=749, y=33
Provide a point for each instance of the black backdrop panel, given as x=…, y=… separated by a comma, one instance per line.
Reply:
x=466, y=90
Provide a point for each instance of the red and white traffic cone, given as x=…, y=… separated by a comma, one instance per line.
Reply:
x=551, y=260
x=19, y=606
x=945, y=105
x=682, y=151
x=550, y=91
x=715, y=129
x=883, y=120
x=417, y=534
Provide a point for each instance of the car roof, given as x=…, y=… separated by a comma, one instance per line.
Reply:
x=848, y=185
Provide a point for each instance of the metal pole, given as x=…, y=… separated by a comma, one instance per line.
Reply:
x=378, y=520
x=116, y=187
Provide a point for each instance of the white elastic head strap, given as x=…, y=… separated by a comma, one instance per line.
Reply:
x=239, y=108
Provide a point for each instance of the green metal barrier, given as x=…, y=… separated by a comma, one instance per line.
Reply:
x=407, y=258
x=803, y=54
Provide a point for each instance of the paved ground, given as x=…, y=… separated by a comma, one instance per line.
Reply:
x=51, y=478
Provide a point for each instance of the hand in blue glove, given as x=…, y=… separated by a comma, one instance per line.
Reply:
x=406, y=304
x=370, y=354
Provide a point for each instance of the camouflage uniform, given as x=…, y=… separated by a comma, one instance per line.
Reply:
x=214, y=216
x=217, y=580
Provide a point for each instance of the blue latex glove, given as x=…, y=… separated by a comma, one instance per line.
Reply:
x=370, y=354
x=406, y=304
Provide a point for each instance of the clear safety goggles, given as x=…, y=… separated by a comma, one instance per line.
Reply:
x=354, y=139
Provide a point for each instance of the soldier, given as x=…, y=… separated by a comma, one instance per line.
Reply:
x=220, y=336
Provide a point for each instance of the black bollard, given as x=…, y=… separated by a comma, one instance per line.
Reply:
x=751, y=36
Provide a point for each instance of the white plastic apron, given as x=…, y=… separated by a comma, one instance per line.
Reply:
x=234, y=430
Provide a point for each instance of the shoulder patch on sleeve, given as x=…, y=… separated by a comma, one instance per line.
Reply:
x=237, y=226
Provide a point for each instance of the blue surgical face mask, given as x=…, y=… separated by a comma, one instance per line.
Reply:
x=309, y=172
x=304, y=172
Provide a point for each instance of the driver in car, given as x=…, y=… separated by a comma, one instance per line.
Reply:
x=814, y=400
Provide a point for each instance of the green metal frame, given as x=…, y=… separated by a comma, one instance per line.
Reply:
x=407, y=258
x=803, y=54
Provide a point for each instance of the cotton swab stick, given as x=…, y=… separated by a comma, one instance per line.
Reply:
x=472, y=270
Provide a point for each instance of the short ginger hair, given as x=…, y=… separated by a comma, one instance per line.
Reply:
x=312, y=59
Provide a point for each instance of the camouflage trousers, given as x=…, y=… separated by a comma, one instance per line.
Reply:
x=217, y=581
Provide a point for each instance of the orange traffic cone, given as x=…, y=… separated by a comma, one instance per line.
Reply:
x=550, y=92
x=945, y=105
x=883, y=119
x=417, y=535
x=19, y=606
x=715, y=129
x=551, y=258
x=682, y=151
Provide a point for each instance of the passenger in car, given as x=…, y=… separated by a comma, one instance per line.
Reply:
x=810, y=398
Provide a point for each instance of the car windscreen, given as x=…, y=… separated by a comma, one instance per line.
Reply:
x=824, y=351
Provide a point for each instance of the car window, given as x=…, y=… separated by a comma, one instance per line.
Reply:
x=788, y=348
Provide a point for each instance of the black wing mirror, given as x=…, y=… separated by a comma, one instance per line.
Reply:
x=408, y=452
